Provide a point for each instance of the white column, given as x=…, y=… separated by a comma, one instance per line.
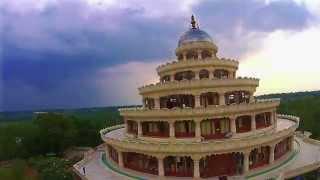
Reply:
x=253, y=122
x=211, y=74
x=160, y=166
x=197, y=100
x=157, y=103
x=275, y=118
x=246, y=161
x=251, y=98
x=198, y=128
x=271, y=155
x=143, y=103
x=197, y=75
x=125, y=125
x=196, y=167
x=233, y=128
x=199, y=54
x=171, y=129
x=120, y=159
x=139, y=129
x=171, y=77
x=184, y=54
x=222, y=99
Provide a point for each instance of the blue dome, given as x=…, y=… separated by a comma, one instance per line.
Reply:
x=194, y=35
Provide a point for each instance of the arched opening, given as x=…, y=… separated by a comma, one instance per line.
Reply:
x=192, y=55
x=243, y=124
x=282, y=148
x=263, y=120
x=149, y=103
x=180, y=57
x=155, y=129
x=209, y=99
x=178, y=166
x=185, y=75
x=204, y=74
x=140, y=162
x=215, y=128
x=184, y=129
x=132, y=127
x=165, y=78
x=228, y=164
x=113, y=154
x=259, y=157
x=221, y=74
x=206, y=54
x=180, y=100
x=237, y=97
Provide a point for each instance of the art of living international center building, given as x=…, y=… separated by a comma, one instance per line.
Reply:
x=202, y=121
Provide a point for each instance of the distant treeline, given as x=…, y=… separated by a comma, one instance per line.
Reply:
x=290, y=96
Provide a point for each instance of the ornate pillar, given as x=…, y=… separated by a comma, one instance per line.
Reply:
x=126, y=125
x=199, y=54
x=251, y=98
x=198, y=128
x=211, y=75
x=275, y=118
x=253, y=122
x=143, y=103
x=246, y=161
x=197, y=100
x=222, y=99
x=196, y=166
x=171, y=129
x=157, y=103
x=160, y=166
x=139, y=129
x=271, y=155
x=233, y=128
x=184, y=54
x=120, y=158
x=171, y=77
x=197, y=74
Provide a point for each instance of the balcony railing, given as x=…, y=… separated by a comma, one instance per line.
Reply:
x=184, y=134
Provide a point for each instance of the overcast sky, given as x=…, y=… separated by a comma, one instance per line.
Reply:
x=83, y=53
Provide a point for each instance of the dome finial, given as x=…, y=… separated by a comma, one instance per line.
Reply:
x=193, y=22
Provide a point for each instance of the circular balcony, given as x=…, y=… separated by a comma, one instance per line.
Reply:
x=210, y=111
x=116, y=137
x=173, y=67
x=199, y=86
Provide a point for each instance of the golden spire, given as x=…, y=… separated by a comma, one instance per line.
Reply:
x=193, y=22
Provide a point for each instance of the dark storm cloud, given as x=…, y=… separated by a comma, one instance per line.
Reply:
x=51, y=55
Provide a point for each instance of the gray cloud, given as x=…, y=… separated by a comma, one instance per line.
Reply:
x=54, y=51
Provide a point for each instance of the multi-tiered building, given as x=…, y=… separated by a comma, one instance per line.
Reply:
x=201, y=120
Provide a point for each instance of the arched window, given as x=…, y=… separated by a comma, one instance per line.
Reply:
x=180, y=56
x=179, y=100
x=165, y=78
x=204, y=74
x=192, y=55
x=206, y=54
x=210, y=98
x=188, y=75
x=221, y=74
